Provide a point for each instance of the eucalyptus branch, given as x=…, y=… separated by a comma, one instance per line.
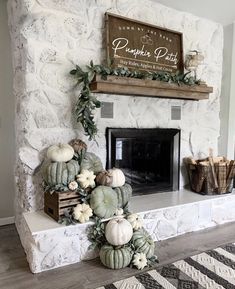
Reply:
x=87, y=103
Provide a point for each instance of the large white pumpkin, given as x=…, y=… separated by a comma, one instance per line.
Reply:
x=118, y=231
x=117, y=177
x=60, y=153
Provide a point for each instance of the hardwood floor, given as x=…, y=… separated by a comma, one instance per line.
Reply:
x=15, y=274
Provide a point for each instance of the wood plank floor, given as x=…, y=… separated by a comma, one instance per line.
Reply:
x=15, y=274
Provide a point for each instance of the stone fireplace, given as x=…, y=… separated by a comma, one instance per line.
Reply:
x=48, y=39
x=149, y=158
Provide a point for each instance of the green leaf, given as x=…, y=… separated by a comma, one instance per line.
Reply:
x=73, y=72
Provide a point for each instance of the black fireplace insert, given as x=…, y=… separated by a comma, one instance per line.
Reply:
x=149, y=158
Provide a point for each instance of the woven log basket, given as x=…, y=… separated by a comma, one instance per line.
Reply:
x=211, y=176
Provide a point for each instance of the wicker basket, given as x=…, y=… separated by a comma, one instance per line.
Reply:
x=209, y=178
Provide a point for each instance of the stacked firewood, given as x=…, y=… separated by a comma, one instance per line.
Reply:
x=212, y=175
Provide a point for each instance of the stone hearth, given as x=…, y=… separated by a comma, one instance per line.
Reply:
x=49, y=245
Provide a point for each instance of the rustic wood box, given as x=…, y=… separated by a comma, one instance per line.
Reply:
x=56, y=203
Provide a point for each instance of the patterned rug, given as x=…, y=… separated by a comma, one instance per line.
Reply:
x=213, y=269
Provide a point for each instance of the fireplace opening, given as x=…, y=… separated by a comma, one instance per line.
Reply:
x=149, y=158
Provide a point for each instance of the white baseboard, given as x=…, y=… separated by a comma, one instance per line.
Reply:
x=7, y=221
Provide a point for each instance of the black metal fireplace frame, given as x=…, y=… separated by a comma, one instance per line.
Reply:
x=113, y=133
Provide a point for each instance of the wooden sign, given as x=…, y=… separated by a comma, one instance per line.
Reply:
x=141, y=46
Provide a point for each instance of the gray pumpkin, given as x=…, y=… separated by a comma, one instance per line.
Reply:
x=115, y=257
x=124, y=194
x=57, y=173
x=103, y=202
x=92, y=162
x=143, y=243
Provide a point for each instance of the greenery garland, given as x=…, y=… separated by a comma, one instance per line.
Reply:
x=87, y=103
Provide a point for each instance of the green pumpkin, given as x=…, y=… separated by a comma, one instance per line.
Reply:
x=124, y=194
x=92, y=163
x=104, y=202
x=143, y=243
x=115, y=257
x=57, y=173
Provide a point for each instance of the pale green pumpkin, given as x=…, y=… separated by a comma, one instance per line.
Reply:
x=103, y=202
x=91, y=162
x=115, y=257
x=124, y=194
x=60, y=173
x=143, y=243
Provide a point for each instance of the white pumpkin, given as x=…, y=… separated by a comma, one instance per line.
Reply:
x=86, y=179
x=135, y=221
x=119, y=212
x=118, y=231
x=73, y=185
x=82, y=213
x=117, y=178
x=60, y=153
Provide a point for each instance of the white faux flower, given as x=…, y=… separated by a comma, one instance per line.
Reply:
x=82, y=213
x=86, y=179
x=119, y=212
x=140, y=260
x=135, y=221
x=73, y=185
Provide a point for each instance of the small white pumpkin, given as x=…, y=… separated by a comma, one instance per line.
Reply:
x=73, y=185
x=135, y=220
x=86, y=179
x=119, y=212
x=60, y=153
x=117, y=177
x=140, y=260
x=82, y=213
x=118, y=231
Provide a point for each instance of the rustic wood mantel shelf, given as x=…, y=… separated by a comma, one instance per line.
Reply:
x=151, y=88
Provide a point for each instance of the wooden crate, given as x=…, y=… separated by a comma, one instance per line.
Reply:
x=56, y=203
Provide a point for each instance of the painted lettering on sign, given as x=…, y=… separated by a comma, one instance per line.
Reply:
x=140, y=46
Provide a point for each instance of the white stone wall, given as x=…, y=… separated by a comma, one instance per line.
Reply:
x=49, y=37
x=49, y=249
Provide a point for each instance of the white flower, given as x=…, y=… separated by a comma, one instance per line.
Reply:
x=82, y=213
x=119, y=212
x=73, y=185
x=86, y=179
x=140, y=260
x=135, y=221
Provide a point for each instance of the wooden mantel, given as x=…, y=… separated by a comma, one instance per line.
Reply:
x=151, y=88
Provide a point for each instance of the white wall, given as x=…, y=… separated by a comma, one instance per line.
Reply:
x=227, y=113
x=7, y=145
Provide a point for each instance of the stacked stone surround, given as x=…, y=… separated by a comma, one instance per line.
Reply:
x=49, y=37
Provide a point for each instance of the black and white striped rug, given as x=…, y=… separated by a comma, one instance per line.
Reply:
x=213, y=269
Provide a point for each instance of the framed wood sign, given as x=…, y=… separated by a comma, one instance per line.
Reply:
x=142, y=46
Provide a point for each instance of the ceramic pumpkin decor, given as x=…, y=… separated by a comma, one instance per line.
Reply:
x=118, y=231
x=86, y=179
x=60, y=153
x=104, y=202
x=78, y=180
x=135, y=221
x=92, y=163
x=61, y=173
x=118, y=178
x=82, y=213
x=104, y=178
x=143, y=242
x=78, y=145
x=124, y=194
x=115, y=257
